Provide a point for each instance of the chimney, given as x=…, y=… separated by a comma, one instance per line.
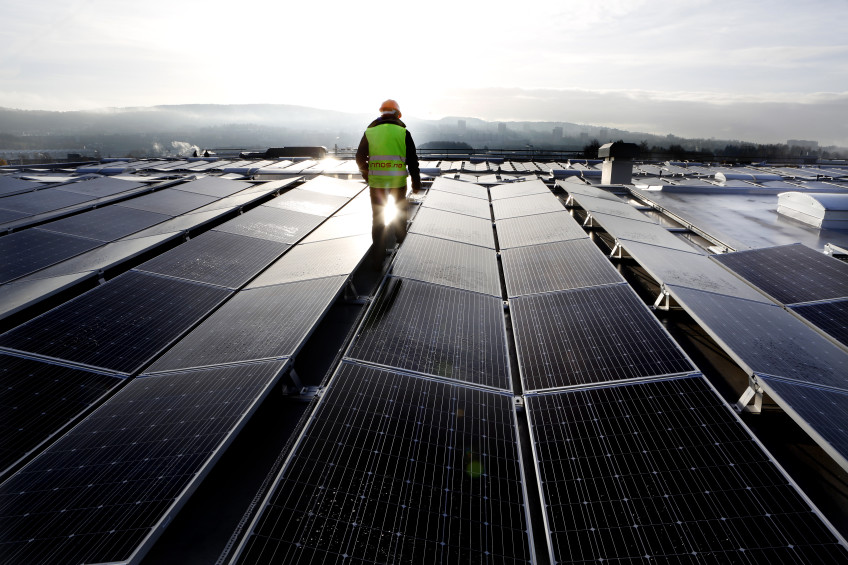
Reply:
x=618, y=162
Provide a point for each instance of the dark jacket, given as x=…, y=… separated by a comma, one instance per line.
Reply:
x=362, y=153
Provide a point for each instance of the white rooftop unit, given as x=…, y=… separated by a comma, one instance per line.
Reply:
x=821, y=210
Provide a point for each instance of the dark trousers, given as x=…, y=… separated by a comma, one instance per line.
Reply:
x=379, y=199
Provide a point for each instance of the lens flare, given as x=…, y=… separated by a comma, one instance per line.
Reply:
x=389, y=210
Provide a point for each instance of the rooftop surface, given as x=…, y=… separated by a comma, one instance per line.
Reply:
x=201, y=366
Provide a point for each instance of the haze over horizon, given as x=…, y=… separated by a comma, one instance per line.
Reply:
x=761, y=71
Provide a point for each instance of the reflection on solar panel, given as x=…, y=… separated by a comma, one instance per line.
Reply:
x=458, y=204
x=514, y=190
x=790, y=273
x=532, y=230
x=766, y=338
x=441, y=184
x=308, y=202
x=831, y=317
x=181, y=224
x=106, y=224
x=607, y=206
x=23, y=293
x=98, y=493
x=556, y=266
x=169, y=201
x=341, y=226
x=641, y=231
x=27, y=251
x=456, y=227
x=275, y=224
x=38, y=400
x=262, y=323
x=436, y=330
x=335, y=187
x=119, y=325
x=530, y=205
x=316, y=260
x=219, y=258
x=449, y=263
x=663, y=471
x=397, y=469
x=590, y=335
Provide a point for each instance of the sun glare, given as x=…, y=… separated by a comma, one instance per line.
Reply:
x=390, y=210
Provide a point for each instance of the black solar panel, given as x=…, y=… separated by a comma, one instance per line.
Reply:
x=456, y=227
x=458, y=204
x=214, y=186
x=168, y=201
x=119, y=325
x=530, y=205
x=316, y=260
x=9, y=185
x=590, y=335
x=275, y=224
x=766, y=338
x=27, y=251
x=790, y=273
x=181, y=224
x=441, y=184
x=261, y=323
x=449, y=263
x=10, y=215
x=397, y=469
x=516, y=189
x=97, y=494
x=38, y=400
x=663, y=472
x=106, y=224
x=436, y=330
x=41, y=201
x=532, y=230
x=219, y=258
x=831, y=317
x=308, y=202
x=556, y=266
x=101, y=187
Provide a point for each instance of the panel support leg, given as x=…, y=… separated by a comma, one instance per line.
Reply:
x=753, y=392
x=663, y=301
x=351, y=295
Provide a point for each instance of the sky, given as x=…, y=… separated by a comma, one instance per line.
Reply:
x=763, y=71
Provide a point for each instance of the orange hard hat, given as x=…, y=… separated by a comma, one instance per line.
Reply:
x=390, y=106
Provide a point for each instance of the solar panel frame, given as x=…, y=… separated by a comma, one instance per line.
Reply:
x=790, y=273
x=270, y=322
x=535, y=230
x=455, y=227
x=591, y=335
x=664, y=470
x=129, y=466
x=530, y=205
x=335, y=500
x=449, y=263
x=118, y=326
x=556, y=266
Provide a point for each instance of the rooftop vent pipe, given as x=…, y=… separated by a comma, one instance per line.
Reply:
x=618, y=162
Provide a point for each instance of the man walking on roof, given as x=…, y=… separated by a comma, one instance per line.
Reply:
x=385, y=157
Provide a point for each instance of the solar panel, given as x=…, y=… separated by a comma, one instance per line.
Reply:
x=218, y=258
x=23, y=293
x=38, y=400
x=517, y=189
x=679, y=268
x=275, y=224
x=790, y=273
x=335, y=187
x=620, y=208
x=458, y=204
x=449, y=263
x=106, y=224
x=10, y=215
x=101, y=187
x=42, y=201
x=104, y=491
x=530, y=205
x=10, y=185
x=831, y=317
x=308, y=202
x=261, y=323
x=180, y=224
x=556, y=266
x=397, y=469
x=442, y=184
x=436, y=330
x=532, y=230
x=586, y=190
x=214, y=186
x=316, y=260
x=663, y=471
x=27, y=251
x=765, y=338
x=590, y=335
x=340, y=226
x=625, y=229
x=170, y=201
x=456, y=227
x=119, y=325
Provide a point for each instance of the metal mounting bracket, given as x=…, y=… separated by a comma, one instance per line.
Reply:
x=351, y=295
x=753, y=392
